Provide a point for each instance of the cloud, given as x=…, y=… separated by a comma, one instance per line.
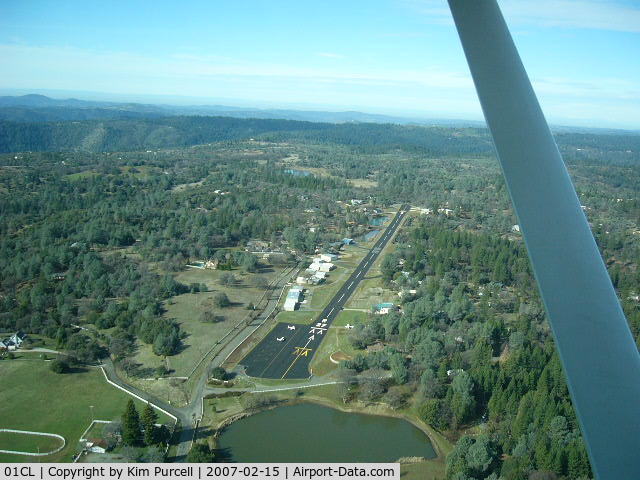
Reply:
x=583, y=14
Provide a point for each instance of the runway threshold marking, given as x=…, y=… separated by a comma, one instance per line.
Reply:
x=299, y=352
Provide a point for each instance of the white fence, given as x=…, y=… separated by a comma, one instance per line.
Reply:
x=34, y=454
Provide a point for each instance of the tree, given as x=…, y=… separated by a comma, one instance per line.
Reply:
x=250, y=263
x=166, y=344
x=370, y=390
x=399, y=370
x=131, y=431
x=59, y=366
x=219, y=373
x=227, y=278
x=149, y=420
x=201, y=453
x=210, y=317
x=221, y=300
x=395, y=398
x=153, y=455
x=463, y=402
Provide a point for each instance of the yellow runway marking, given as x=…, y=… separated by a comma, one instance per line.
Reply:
x=298, y=352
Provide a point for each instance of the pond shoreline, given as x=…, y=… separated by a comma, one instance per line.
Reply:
x=382, y=411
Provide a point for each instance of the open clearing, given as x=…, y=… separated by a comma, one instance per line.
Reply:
x=335, y=341
x=39, y=400
x=23, y=442
x=186, y=309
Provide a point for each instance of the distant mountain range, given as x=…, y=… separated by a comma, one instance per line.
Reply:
x=40, y=108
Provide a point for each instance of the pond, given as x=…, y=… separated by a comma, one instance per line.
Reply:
x=297, y=173
x=377, y=221
x=369, y=235
x=312, y=433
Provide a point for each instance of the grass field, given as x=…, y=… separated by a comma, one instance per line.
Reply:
x=187, y=309
x=39, y=400
x=430, y=470
x=28, y=443
x=299, y=316
x=335, y=341
x=349, y=317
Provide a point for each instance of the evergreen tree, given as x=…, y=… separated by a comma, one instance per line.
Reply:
x=200, y=453
x=149, y=420
x=131, y=432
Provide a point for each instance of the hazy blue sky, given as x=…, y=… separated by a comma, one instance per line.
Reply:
x=392, y=56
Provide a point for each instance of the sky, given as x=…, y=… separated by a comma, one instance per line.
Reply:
x=399, y=57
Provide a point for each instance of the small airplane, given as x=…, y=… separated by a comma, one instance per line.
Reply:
x=318, y=324
x=280, y=339
x=348, y=326
x=291, y=327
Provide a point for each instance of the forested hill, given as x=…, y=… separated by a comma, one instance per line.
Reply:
x=175, y=131
x=135, y=134
x=181, y=131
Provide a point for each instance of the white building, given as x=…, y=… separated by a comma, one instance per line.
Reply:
x=328, y=257
x=326, y=267
x=290, y=304
x=320, y=275
x=314, y=267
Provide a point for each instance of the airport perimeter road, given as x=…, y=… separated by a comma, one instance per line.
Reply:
x=290, y=358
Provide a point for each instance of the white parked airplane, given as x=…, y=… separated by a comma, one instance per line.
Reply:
x=348, y=326
x=280, y=339
x=291, y=327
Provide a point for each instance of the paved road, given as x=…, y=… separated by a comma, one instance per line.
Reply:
x=291, y=358
x=191, y=414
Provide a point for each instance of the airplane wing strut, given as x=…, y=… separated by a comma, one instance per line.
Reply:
x=598, y=353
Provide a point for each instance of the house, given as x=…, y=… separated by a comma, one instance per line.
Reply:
x=446, y=211
x=402, y=293
x=96, y=445
x=515, y=228
x=328, y=257
x=212, y=264
x=302, y=280
x=257, y=246
x=13, y=342
x=385, y=308
x=376, y=347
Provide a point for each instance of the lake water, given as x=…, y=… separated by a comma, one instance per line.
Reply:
x=377, y=221
x=312, y=433
x=369, y=235
x=297, y=173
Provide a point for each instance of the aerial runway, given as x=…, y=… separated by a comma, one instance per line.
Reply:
x=291, y=358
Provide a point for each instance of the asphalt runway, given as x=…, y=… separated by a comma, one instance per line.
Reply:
x=290, y=358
